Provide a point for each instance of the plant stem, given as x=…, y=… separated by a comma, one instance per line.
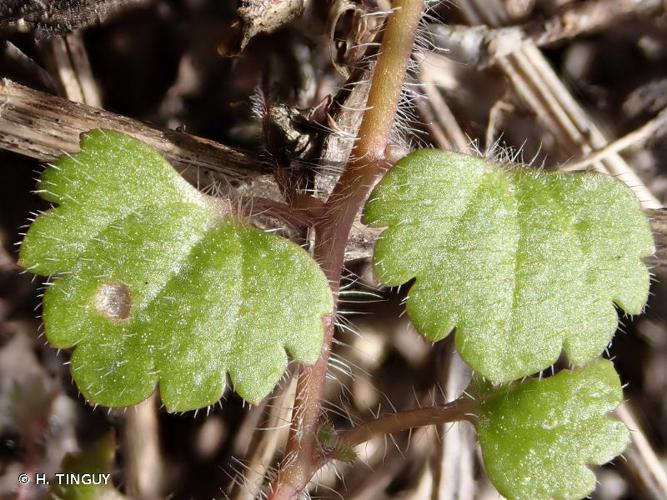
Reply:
x=367, y=160
x=367, y=163
x=461, y=409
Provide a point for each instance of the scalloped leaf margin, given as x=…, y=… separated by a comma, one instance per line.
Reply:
x=523, y=262
x=539, y=436
x=156, y=282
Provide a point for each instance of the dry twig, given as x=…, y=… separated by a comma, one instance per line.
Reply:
x=43, y=126
x=642, y=461
x=633, y=138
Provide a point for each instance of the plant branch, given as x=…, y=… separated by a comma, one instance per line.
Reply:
x=367, y=160
x=463, y=408
x=367, y=163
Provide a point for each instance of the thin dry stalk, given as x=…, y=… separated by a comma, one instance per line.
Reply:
x=454, y=463
x=268, y=444
x=143, y=469
x=446, y=127
x=645, y=468
x=68, y=60
x=43, y=127
x=634, y=138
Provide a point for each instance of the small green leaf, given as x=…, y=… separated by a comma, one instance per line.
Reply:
x=92, y=468
x=155, y=282
x=538, y=436
x=523, y=262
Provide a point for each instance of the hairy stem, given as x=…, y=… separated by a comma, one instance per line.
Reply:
x=462, y=409
x=367, y=163
x=368, y=160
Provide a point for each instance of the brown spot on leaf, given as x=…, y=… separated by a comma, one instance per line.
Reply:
x=113, y=301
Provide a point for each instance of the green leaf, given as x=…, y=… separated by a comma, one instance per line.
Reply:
x=538, y=436
x=96, y=463
x=156, y=282
x=523, y=262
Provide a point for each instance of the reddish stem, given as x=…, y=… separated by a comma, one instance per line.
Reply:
x=367, y=163
x=462, y=409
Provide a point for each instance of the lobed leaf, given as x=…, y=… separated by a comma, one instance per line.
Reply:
x=523, y=262
x=155, y=282
x=538, y=436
